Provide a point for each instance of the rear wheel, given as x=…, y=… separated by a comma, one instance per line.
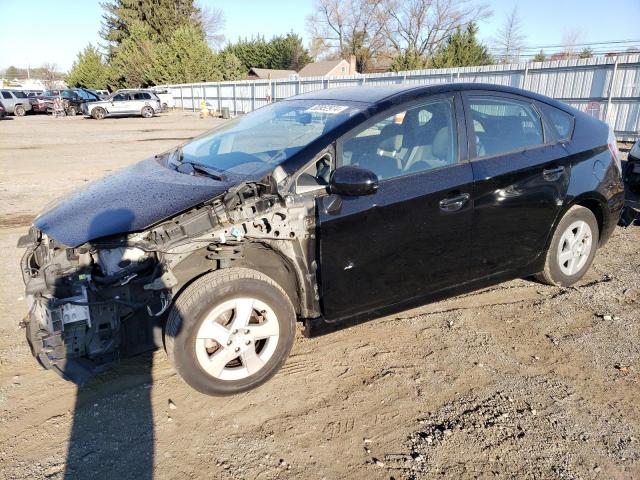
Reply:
x=19, y=111
x=71, y=111
x=147, y=112
x=98, y=113
x=230, y=331
x=572, y=248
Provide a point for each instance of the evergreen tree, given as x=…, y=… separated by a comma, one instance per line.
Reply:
x=230, y=66
x=281, y=52
x=539, y=57
x=89, y=70
x=409, y=60
x=462, y=49
x=586, y=53
x=288, y=53
x=131, y=62
x=161, y=17
x=253, y=53
x=11, y=72
x=187, y=58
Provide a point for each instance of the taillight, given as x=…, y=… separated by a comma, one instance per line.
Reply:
x=613, y=148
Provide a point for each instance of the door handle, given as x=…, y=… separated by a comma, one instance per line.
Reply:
x=454, y=203
x=552, y=174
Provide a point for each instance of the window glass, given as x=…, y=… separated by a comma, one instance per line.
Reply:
x=316, y=174
x=561, y=122
x=503, y=125
x=255, y=143
x=415, y=140
x=19, y=94
x=141, y=96
x=121, y=97
x=6, y=94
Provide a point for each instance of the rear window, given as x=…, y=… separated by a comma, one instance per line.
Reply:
x=561, y=122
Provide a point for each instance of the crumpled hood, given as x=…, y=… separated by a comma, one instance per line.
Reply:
x=128, y=200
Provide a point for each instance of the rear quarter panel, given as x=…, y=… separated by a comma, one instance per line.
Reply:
x=595, y=176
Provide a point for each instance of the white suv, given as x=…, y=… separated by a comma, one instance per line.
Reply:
x=124, y=102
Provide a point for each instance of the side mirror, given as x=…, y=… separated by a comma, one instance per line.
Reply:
x=353, y=181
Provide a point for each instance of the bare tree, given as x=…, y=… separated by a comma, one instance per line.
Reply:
x=341, y=28
x=571, y=39
x=510, y=40
x=418, y=27
x=50, y=74
x=213, y=21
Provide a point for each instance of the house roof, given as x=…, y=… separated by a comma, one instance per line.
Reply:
x=271, y=73
x=320, y=69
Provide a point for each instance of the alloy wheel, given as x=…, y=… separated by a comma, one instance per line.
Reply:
x=237, y=338
x=574, y=248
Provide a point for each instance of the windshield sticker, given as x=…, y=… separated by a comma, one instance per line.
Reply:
x=329, y=109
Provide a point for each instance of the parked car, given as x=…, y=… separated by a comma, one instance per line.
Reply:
x=43, y=103
x=15, y=102
x=331, y=207
x=33, y=93
x=632, y=177
x=73, y=99
x=103, y=94
x=165, y=96
x=125, y=102
x=3, y=111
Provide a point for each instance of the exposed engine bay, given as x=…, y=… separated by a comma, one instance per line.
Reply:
x=108, y=299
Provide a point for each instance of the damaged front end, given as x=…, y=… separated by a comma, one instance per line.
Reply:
x=91, y=305
x=107, y=299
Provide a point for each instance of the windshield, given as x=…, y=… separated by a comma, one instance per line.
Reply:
x=257, y=142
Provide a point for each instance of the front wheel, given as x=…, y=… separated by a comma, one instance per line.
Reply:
x=19, y=111
x=147, y=112
x=230, y=331
x=98, y=113
x=572, y=248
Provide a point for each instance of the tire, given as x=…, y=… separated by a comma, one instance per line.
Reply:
x=71, y=111
x=214, y=301
x=98, y=113
x=165, y=108
x=579, y=225
x=147, y=112
x=19, y=111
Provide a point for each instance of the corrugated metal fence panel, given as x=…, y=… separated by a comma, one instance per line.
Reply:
x=606, y=87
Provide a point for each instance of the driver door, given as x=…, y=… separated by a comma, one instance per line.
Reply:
x=412, y=236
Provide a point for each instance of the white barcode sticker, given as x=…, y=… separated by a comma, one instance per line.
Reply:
x=329, y=109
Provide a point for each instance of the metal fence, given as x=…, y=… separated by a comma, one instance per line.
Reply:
x=605, y=87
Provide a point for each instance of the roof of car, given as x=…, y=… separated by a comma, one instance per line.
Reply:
x=369, y=94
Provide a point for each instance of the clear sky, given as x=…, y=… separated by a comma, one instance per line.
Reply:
x=55, y=30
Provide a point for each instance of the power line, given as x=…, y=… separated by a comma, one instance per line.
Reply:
x=565, y=45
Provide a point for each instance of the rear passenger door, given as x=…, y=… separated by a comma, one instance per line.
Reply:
x=520, y=174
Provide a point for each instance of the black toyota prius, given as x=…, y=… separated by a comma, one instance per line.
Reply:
x=328, y=208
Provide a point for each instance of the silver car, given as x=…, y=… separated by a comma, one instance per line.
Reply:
x=15, y=101
x=124, y=102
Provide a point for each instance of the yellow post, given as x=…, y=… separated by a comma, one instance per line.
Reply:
x=204, y=111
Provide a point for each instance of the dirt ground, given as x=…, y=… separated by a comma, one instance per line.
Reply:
x=516, y=381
